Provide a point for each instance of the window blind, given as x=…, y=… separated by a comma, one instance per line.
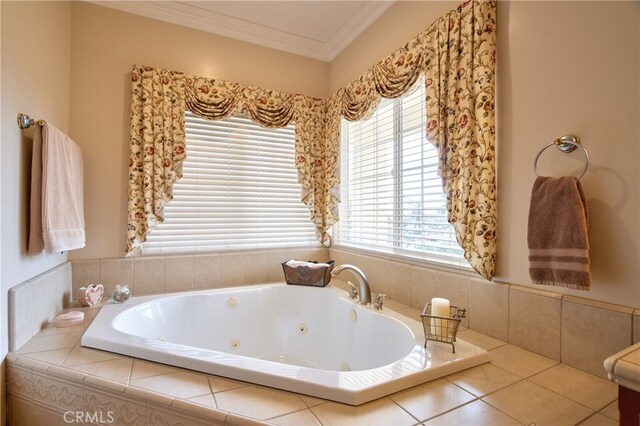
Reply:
x=392, y=196
x=239, y=190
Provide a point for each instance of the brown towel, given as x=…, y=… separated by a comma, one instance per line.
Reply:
x=36, y=242
x=557, y=235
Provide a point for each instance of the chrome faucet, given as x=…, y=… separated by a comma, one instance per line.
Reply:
x=364, y=292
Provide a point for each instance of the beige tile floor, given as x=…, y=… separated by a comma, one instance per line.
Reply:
x=517, y=387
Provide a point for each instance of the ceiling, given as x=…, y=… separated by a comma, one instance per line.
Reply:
x=316, y=29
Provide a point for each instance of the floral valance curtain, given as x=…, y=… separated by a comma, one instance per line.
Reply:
x=457, y=56
x=157, y=139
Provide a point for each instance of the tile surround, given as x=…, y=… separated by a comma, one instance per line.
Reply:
x=489, y=308
x=432, y=398
x=530, y=403
x=533, y=317
x=259, y=402
x=114, y=272
x=483, y=379
x=535, y=321
x=520, y=362
x=485, y=342
x=148, y=275
x=178, y=273
x=599, y=420
x=382, y=411
x=591, y=333
x=423, y=286
x=206, y=271
x=538, y=320
x=142, y=392
x=233, y=269
x=482, y=414
x=578, y=386
x=83, y=273
x=454, y=287
x=36, y=301
x=166, y=274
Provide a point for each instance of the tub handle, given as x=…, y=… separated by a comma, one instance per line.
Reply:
x=353, y=292
x=377, y=302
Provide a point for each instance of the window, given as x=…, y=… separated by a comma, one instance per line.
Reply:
x=239, y=190
x=392, y=197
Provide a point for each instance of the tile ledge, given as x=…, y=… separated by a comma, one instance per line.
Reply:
x=238, y=420
x=482, y=281
x=25, y=284
x=199, y=409
x=532, y=290
x=598, y=304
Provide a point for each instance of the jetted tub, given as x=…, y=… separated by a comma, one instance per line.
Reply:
x=308, y=340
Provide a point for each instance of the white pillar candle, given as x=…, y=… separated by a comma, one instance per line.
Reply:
x=440, y=308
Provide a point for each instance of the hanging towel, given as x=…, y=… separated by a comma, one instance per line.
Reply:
x=36, y=243
x=61, y=223
x=557, y=235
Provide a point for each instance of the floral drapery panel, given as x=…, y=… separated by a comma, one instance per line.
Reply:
x=460, y=96
x=456, y=54
x=157, y=148
x=159, y=99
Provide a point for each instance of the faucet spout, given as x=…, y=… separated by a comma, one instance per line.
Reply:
x=364, y=292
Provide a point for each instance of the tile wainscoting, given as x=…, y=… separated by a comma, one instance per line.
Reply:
x=166, y=274
x=576, y=331
x=52, y=379
x=35, y=302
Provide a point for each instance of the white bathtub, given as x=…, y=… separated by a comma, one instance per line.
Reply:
x=307, y=340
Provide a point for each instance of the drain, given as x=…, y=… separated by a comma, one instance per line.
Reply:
x=353, y=315
x=233, y=302
x=234, y=344
x=345, y=367
x=302, y=328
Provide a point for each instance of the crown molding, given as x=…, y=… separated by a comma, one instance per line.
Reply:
x=205, y=20
x=366, y=15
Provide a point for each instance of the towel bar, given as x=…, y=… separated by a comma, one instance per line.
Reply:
x=566, y=144
x=24, y=121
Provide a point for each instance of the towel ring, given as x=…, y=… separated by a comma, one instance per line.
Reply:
x=566, y=144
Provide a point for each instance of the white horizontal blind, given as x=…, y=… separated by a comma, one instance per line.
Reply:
x=392, y=197
x=239, y=191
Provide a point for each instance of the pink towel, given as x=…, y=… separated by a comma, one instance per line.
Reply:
x=61, y=221
x=557, y=234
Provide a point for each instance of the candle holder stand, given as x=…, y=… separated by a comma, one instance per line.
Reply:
x=442, y=329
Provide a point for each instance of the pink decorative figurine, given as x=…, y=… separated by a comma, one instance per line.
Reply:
x=90, y=295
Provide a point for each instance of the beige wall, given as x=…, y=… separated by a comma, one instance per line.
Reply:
x=401, y=22
x=105, y=45
x=551, y=81
x=35, y=50
x=563, y=67
x=572, y=68
x=3, y=310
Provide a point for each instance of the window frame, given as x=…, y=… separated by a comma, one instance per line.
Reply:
x=396, y=251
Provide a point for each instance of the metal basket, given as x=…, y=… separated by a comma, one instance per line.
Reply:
x=442, y=329
x=303, y=275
